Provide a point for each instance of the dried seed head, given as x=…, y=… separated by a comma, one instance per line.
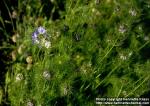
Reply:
x=46, y=75
x=29, y=60
x=14, y=14
x=19, y=77
x=14, y=38
x=20, y=49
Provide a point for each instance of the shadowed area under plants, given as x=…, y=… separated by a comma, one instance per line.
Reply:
x=74, y=52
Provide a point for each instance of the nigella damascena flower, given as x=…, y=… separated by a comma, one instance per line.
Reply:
x=41, y=30
x=40, y=37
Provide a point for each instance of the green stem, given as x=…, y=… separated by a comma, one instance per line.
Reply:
x=120, y=91
x=143, y=45
x=108, y=75
x=137, y=86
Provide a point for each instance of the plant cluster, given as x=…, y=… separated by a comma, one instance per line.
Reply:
x=92, y=49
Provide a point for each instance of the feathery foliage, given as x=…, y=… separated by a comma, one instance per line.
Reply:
x=97, y=48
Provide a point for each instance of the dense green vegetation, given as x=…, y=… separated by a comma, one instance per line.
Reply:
x=70, y=52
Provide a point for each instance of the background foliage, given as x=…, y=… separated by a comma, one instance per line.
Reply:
x=99, y=48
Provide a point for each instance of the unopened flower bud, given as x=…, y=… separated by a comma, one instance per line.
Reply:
x=13, y=54
x=14, y=38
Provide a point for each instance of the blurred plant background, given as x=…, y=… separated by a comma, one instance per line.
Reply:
x=92, y=49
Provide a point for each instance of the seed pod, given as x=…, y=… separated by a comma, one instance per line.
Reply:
x=29, y=66
x=14, y=14
x=29, y=60
x=14, y=38
x=19, y=77
x=13, y=54
x=30, y=103
x=46, y=75
x=20, y=49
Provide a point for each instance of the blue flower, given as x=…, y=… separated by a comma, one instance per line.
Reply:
x=34, y=37
x=41, y=30
x=40, y=37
